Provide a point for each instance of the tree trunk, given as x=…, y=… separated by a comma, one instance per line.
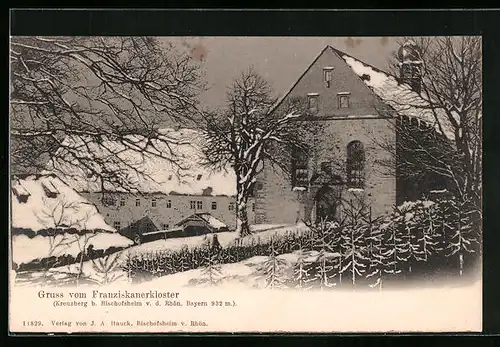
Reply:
x=242, y=194
x=461, y=264
x=242, y=226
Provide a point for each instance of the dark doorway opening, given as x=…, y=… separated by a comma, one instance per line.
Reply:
x=328, y=204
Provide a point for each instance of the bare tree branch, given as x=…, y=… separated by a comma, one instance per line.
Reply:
x=249, y=132
x=451, y=90
x=72, y=96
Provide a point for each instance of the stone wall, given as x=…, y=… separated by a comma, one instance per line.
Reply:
x=276, y=202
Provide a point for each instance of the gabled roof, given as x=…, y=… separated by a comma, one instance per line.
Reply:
x=146, y=219
x=386, y=87
x=45, y=202
x=160, y=175
x=280, y=100
x=206, y=218
x=398, y=96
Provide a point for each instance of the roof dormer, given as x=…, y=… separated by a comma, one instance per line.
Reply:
x=50, y=190
x=20, y=192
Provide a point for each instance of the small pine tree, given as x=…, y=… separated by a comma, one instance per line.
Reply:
x=274, y=268
x=374, y=237
x=463, y=239
x=377, y=260
x=130, y=267
x=323, y=239
x=325, y=270
x=429, y=240
x=212, y=271
x=353, y=241
x=391, y=252
x=301, y=269
x=184, y=259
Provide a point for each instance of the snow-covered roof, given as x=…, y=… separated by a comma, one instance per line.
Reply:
x=163, y=231
x=45, y=202
x=399, y=96
x=26, y=249
x=212, y=221
x=207, y=218
x=157, y=172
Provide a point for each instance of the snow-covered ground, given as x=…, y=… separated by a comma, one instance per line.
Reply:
x=262, y=231
x=90, y=269
x=25, y=249
x=244, y=274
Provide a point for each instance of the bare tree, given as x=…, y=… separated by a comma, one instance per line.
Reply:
x=73, y=97
x=252, y=130
x=449, y=145
x=63, y=215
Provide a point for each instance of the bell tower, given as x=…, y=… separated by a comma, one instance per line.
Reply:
x=410, y=65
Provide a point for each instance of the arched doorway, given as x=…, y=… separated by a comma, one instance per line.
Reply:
x=328, y=202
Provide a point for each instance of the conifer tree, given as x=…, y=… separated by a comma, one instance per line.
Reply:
x=355, y=261
x=301, y=275
x=430, y=238
x=463, y=239
x=274, y=268
x=212, y=271
x=375, y=251
x=324, y=240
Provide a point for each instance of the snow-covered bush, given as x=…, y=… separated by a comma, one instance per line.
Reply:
x=144, y=266
x=106, y=268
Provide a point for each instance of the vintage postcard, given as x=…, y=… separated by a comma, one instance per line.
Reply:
x=245, y=184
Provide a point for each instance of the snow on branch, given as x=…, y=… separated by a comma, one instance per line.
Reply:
x=119, y=89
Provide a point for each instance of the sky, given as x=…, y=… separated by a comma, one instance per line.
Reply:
x=281, y=60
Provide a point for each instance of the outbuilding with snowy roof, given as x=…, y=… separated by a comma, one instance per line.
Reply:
x=51, y=224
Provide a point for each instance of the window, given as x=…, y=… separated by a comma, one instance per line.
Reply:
x=164, y=226
x=312, y=102
x=253, y=207
x=196, y=205
x=137, y=202
x=122, y=202
x=153, y=203
x=300, y=173
x=214, y=205
x=343, y=100
x=231, y=206
x=327, y=75
x=117, y=225
x=254, y=188
x=198, y=177
x=355, y=164
x=169, y=203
